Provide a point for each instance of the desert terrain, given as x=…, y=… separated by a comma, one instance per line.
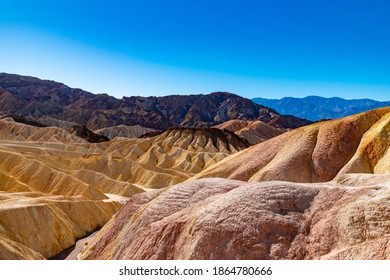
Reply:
x=211, y=176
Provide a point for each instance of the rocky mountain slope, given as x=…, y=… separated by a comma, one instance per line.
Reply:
x=315, y=153
x=126, y=131
x=115, y=166
x=28, y=96
x=35, y=225
x=165, y=159
x=318, y=108
x=253, y=131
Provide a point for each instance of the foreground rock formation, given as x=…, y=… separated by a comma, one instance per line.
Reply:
x=229, y=219
x=315, y=153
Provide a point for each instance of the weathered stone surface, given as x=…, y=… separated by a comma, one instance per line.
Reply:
x=227, y=219
x=11, y=250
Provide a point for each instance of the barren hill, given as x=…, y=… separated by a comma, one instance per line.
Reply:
x=49, y=100
x=165, y=159
x=56, y=187
x=134, y=131
x=315, y=153
x=253, y=131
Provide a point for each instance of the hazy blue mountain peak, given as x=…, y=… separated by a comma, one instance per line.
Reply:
x=316, y=107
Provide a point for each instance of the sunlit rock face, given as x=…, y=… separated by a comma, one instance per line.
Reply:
x=56, y=187
x=253, y=131
x=314, y=153
x=228, y=219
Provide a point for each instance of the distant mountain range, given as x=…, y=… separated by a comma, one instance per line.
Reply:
x=315, y=108
x=48, y=101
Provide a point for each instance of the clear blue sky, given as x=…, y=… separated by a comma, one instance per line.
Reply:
x=253, y=48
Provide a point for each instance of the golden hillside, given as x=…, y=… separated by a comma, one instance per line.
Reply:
x=127, y=131
x=168, y=158
x=37, y=226
x=110, y=167
x=314, y=153
x=56, y=187
x=254, y=131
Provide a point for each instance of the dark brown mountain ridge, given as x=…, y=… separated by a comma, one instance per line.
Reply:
x=35, y=98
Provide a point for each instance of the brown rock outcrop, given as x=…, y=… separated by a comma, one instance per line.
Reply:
x=11, y=250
